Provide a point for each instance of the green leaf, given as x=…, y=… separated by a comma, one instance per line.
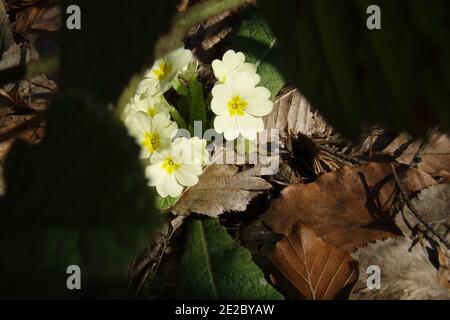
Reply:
x=79, y=198
x=260, y=47
x=165, y=203
x=214, y=266
x=114, y=42
x=397, y=76
x=176, y=116
x=197, y=102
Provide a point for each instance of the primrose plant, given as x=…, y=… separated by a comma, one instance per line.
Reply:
x=174, y=162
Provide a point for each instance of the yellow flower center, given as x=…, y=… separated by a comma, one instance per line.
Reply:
x=237, y=106
x=151, y=111
x=163, y=71
x=170, y=166
x=151, y=141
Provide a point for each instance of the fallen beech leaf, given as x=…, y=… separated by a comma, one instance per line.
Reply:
x=312, y=269
x=220, y=189
x=435, y=158
x=345, y=208
x=406, y=272
x=432, y=204
x=292, y=113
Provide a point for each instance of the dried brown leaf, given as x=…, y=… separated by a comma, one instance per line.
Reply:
x=48, y=19
x=346, y=208
x=406, y=272
x=15, y=54
x=37, y=92
x=310, y=269
x=45, y=17
x=221, y=188
x=435, y=158
x=297, y=121
x=432, y=203
x=33, y=134
x=292, y=113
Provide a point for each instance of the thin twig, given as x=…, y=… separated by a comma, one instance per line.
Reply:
x=413, y=164
x=340, y=155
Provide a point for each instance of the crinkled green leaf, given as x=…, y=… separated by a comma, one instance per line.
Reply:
x=78, y=198
x=214, y=266
x=260, y=47
x=397, y=76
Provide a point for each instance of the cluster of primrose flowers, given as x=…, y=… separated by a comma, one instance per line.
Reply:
x=175, y=163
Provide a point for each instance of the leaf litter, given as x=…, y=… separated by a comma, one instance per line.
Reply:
x=332, y=201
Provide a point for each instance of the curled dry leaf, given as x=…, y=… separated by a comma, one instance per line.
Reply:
x=221, y=188
x=406, y=272
x=432, y=203
x=297, y=121
x=309, y=268
x=37, y=92
x=346, y=208
x=45, y=18
x=435, y=157
x=292, y=113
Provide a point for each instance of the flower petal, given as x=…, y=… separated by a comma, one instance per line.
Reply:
x=138, y=123
x=219, y=70
x=154, y=174
x=147, y=86
x=259, y=103
x=232, y=59
x=249, y=126
x=231, y=134
x=247, y=67
x=221, y=123
x=187, y=175
x=222, y=92
x=168, y=186
x=219, y=106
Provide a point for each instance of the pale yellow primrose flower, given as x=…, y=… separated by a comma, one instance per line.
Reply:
x=159, y=78
x=153, y=134
x=199, y=149
x=152, y=105
x=190, y=71
x=239, y=106
x=174, y=168
x=233, y=61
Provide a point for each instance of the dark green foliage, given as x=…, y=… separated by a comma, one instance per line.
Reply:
x=197, y=102
x=79, y=198
x=397, y=76
x=214, y=266
x=115, y=41
x=256, y=40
